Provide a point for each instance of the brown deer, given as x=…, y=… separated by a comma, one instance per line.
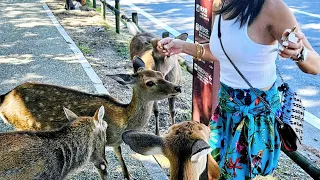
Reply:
x=186, y=147
x=54, y=154
x=20, y=107
x=145, y=45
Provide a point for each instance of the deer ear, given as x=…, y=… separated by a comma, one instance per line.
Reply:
x=200, y=149
x=98, y=116
x=138, y=64
x=143, y=143
x=124, y=79
x=71, y=116
x=154, y=43
x=183, y=36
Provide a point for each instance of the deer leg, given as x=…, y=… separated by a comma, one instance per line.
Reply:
x=117, y=151
x=156, y=115
x=102, y=169
x=172, y=109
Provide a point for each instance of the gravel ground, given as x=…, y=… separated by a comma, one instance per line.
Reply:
x=107, y=52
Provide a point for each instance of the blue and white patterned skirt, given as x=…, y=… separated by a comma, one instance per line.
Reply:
x=244, y=137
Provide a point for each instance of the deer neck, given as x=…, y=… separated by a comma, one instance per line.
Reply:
x=139, y=110
x=74, y=152
x=184, y=169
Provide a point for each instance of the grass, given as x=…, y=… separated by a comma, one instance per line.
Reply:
x=90, y=4
x=121, y=42
x=84, y=48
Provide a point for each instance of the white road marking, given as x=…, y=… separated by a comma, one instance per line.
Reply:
x=154, y=20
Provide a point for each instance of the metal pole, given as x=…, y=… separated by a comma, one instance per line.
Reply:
x=135, y=17
x=94, y=3
x=103, y=9
x=117, y=13
x=308, y=166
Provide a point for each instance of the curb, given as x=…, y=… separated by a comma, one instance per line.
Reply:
x=97, y=83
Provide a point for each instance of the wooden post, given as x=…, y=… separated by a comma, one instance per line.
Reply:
x=103, y=9
x=94, y=3
x=165, y=34
x=117, y=13
x=135, y=17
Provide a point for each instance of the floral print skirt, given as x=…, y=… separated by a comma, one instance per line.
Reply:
x=244, y=137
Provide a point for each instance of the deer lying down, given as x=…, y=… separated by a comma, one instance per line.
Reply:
x=54, y=154
x=145, y=46
x=186, y=147
x=21, y=106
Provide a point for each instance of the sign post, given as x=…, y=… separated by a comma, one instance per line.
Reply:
x=205, y=74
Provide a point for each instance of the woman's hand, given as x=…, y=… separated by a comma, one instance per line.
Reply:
x=291, y=49
x=169, y=46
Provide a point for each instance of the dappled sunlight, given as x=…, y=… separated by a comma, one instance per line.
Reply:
x=310, y=103
x=315, y=26
x=9, y=81
x=171, y=11
x=308, y=91
x=31, y=76
x=7, y=45
x=19, y=80
x=158, y=1
x=293, y=66
x=30, y=34
x=16, y=59
x=33, y=22
x=70, y=58
x=286, y=77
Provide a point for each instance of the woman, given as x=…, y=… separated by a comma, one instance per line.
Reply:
x=248, y=142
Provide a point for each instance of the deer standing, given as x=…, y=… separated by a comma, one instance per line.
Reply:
x=145, y=45
x=185, y=145
x=54, y=154
x=20, y=107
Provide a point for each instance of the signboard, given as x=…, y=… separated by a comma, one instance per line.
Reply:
x=205, y=74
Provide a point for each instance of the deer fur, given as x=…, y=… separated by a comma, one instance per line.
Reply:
x=185, y=145
x=54, y=154
x=20, y=107
x=145, y=45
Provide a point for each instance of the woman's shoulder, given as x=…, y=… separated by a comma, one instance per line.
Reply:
x=276, y=11
x=275, y=8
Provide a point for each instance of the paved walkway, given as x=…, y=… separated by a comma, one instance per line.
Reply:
x=32, y=49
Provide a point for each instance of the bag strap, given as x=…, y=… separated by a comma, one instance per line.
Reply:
x=245, y=79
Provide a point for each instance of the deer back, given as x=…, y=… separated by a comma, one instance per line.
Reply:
x=52, y=154
x=35, y=106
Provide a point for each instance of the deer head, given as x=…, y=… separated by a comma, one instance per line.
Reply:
x=149, y=82
x=185, y=145
x=99, y=127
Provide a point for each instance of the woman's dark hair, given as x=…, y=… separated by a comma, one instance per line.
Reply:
x=243, y=10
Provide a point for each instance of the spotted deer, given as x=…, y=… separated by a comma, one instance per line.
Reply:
x=21, y=106
x=145, y=45
x=185, y=145
x=54, y=154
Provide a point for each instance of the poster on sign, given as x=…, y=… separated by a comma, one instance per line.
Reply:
x=205, y=74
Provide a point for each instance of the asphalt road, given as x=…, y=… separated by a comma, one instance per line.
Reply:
x=178, y=16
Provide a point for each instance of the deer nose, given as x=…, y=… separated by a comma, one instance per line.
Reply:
x=178, y=89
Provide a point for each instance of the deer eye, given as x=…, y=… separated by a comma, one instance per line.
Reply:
x=150, y=83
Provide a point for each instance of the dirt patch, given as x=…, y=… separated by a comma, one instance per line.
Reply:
x=108, y=53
